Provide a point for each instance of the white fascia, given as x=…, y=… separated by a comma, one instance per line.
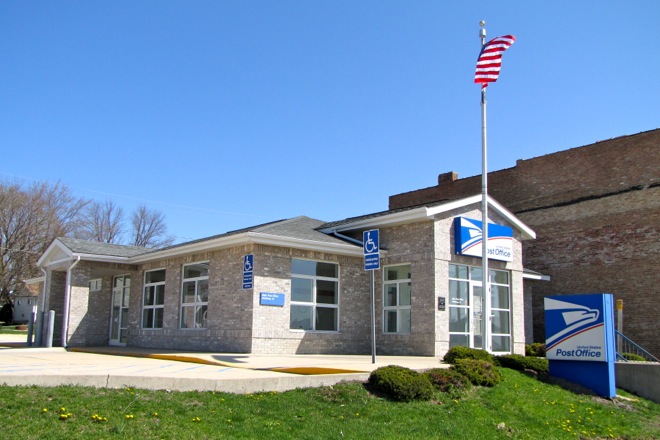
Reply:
x=424, y=212
x=526, y=231
x=250, y=238
x=383, y=220
x=55, y=244
x=536, y=276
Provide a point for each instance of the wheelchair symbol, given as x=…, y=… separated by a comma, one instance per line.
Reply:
x=247, y=263
x=370, y=247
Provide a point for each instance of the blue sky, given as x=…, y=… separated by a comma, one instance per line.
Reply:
x=227, y=114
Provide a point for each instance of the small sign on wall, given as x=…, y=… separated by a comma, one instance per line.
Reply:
x=271, y=299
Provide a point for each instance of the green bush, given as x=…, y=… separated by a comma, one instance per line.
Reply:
x=536, y=349
x=447, y=381
x=479, y=372
x=522, y=363
x=633, y=357
x=400, y=383
x=456, y=353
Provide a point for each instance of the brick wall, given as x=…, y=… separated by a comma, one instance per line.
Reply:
x=271, y=324
x=596, y=211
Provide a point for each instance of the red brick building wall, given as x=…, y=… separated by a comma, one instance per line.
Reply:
x=596, y=211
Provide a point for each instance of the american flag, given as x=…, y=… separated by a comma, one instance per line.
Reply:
x=490, y=59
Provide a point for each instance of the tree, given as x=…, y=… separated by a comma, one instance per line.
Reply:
x=149, y=229
x=103, y=222
x=30, y=219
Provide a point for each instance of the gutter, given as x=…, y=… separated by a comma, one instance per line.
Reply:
x=67, y=303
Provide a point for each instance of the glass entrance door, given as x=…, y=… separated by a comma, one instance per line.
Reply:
x=469, y=324
x=121, y=290
x=477, y=329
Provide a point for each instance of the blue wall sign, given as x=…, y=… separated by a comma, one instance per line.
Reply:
x=370, y=244
x=248, y=271
x=579, y=338
x=468, y=237
x=271, y=299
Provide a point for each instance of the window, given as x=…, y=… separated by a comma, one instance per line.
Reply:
x=154, y=299
x=195, y=295
x=95, y=285
x=500, y=310
x=397, y=289
x=314, y=296
x=466, y=317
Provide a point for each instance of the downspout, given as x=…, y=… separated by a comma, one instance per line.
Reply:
x=67, y=303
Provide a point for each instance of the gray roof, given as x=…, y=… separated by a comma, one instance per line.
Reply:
x=303, y=228
x=300, y=228
x=105, y=249
x=338, y=223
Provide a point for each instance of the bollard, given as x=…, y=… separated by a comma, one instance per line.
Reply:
x=51, y=328
x=30, y=332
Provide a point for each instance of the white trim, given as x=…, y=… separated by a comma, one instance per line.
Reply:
x=55, y=244
x=418, y=214
x=247, y=238
x=382, y=220
x=535, y=276
x=36, y=280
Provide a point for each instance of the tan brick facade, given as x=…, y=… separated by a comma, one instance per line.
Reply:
x=237, y=322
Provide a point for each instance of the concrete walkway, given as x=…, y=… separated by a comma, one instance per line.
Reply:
x=118, y=367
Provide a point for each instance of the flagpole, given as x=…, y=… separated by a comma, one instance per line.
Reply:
x=486, y=300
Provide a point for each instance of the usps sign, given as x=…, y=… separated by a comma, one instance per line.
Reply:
x=579, y=339
x=574, y=328
x=468, y=235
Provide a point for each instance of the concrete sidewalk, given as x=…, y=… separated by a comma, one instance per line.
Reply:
x=118, y=367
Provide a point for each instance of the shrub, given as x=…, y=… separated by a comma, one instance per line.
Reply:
x=456, y=353
x=400, y=383
x=522, y=363
x=479, y=372
x=633, y=357
x=447, y=381
x=536, y=349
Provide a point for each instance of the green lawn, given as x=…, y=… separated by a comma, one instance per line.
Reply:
x=11, y=329
x=519, y=407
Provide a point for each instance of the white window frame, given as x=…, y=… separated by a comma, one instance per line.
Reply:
x=95, y=285
x=153, y=308
x=314, y=304
x=199, y=306
x=398, y=309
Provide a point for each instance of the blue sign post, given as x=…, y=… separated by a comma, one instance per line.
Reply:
x=248, y=268
x=579, y=339
x=371, y=248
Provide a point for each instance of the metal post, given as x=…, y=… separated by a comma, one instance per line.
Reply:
x=486, y=312
x=38, y=340
x=373, y=317
x=619, y=325
x=30, y=333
